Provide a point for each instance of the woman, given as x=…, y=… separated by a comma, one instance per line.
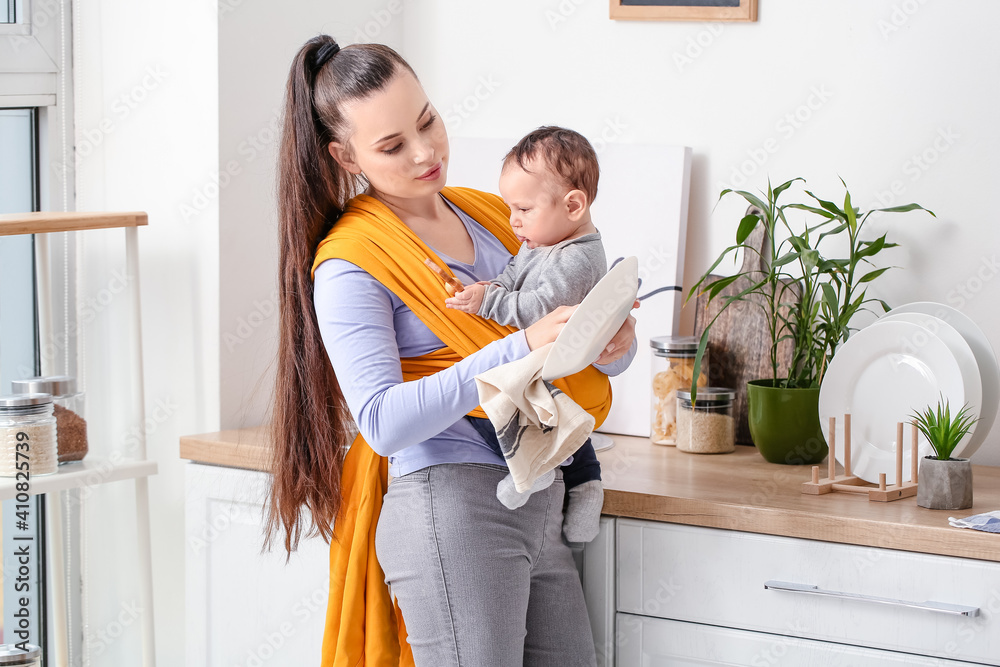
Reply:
x=364, y=330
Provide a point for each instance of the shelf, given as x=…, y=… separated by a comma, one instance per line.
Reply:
x=91, y=471
x=46, y=222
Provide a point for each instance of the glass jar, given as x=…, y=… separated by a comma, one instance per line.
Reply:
x=707, y=425
x=69, y=408
x=12, y=656
x=672, y=368
x=28, y=428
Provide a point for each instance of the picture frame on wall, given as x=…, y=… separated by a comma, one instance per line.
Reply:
x=684, y=10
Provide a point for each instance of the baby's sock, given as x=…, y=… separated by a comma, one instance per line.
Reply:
x=512, y=499
x=582, y=521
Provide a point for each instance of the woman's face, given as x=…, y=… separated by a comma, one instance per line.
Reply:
x=398, y=141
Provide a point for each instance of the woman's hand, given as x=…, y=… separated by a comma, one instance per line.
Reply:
x=622, y=341
x=545, y=330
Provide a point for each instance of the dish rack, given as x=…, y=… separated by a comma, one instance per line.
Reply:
x=848, y=483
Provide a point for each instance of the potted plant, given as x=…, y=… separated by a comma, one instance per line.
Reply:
x=809, y=300
x=944, y=483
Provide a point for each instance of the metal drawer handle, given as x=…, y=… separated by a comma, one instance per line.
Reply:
x=942, y=607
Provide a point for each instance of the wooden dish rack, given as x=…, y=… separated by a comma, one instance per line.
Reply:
x=848, y=483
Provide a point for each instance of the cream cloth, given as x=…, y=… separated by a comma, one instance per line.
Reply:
x=538, y=426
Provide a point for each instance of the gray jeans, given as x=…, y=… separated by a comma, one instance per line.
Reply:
x=480, y=585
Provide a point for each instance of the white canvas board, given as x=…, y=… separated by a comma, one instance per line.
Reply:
x=641, y=209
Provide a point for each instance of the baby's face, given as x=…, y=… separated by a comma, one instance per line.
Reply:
x=538, y=212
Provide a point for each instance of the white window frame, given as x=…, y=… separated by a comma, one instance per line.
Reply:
x=29, y=53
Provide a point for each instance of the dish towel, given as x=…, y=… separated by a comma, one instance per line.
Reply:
x=989, y=521
x=538, y=425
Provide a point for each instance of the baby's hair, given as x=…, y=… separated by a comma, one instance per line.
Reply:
x=565, y=152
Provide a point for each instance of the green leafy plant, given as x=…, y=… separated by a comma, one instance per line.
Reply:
x=830, y=291
x=943, y=431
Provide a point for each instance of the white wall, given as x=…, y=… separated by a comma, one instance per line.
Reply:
x=256, y=47
x=858, y=89
x=168, y=96
x=208, y=81
x=146, y=121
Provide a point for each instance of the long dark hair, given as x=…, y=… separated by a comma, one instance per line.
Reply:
x=311, y=424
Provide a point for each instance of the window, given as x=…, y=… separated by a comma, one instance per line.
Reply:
x=7, y=14
x=36, y=173
x=19, y=352
x=15, y=21
x=18, y=193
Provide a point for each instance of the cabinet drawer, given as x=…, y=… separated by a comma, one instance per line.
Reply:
x=707, y=575
x=654, y=642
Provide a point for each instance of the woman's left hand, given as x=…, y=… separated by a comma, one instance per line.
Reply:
x=622, y=341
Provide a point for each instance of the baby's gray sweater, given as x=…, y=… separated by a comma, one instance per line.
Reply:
x=538, y=280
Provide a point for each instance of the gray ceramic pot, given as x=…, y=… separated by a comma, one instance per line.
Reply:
x=945, y=485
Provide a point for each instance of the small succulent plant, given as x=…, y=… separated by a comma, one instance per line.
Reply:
x=942, y=430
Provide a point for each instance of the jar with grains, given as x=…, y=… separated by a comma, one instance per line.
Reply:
x=27, y=435
x=673, y=367
x=12, y=656
x=69, y=411
x=706, y=426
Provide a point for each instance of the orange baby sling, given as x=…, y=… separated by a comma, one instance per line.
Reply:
x=364, y=627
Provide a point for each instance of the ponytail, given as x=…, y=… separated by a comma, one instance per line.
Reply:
x=311, y=426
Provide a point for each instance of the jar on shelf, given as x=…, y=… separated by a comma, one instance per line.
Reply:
x=672, y=369
x=12, y=656
x=69, y=411
x=706, y=425
x=27, y=434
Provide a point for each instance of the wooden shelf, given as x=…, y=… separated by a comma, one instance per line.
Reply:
x=46, y=222
x=91, y=471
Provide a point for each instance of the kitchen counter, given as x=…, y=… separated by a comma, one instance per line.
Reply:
x=738, y=491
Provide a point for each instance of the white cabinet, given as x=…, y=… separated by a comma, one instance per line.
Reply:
x=655, y=642
x=244, y=607
x=707, y=581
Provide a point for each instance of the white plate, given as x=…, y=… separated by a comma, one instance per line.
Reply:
x=989, y=370
x=972, y=379
x=880, y=377
x=595, y=322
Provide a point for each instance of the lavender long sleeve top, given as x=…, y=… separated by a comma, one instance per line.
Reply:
x=366, y=329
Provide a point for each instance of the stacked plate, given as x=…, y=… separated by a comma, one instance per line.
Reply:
x=911, y=358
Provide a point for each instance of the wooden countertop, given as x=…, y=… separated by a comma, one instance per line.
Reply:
x=738, y=491
x=248, y=448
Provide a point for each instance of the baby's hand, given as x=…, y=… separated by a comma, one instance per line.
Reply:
x=468, y=300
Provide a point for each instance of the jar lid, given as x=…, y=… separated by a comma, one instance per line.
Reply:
x=24, y=400
x=675, y=344
x=709, y=395
x=57, y=385
x=10, y=654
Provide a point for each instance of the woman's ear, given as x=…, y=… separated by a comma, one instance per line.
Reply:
x=576, y=204
x=342, y=155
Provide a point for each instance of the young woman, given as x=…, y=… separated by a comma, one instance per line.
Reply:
x=366, y=338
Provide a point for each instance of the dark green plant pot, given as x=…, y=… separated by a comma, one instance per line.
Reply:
x=784, y=423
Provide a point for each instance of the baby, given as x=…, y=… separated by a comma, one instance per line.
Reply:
x=549, y=180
